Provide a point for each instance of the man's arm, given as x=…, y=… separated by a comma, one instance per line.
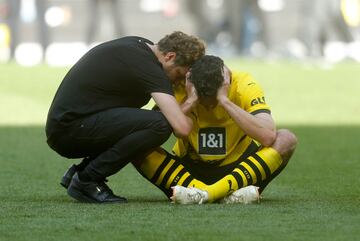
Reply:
x=167, y=104
x=260, y=127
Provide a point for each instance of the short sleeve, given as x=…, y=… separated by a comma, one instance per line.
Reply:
x=154, y=79
x=251, y=95
x=147, y=70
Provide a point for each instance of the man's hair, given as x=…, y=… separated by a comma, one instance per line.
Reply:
x=187, y=48
x=207, y=75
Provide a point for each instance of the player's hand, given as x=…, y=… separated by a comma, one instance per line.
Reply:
x=223, y=91
x=190, y=90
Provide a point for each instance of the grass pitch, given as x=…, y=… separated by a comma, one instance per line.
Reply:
x=317, y=196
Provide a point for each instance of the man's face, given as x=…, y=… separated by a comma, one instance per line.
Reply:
x=174, y=72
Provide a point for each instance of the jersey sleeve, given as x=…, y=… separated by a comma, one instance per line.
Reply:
x=252, y=96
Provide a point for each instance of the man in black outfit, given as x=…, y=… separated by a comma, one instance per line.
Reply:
x=96, y=112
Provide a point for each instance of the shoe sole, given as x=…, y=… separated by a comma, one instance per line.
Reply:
x=78, y=195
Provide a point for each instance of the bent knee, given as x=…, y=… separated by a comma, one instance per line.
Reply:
x=285, y=143
x=288, y=137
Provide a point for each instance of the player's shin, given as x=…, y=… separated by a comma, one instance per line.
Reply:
x=255, y=170
x=165, y=171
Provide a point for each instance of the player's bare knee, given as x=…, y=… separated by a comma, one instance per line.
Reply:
x=285, y=143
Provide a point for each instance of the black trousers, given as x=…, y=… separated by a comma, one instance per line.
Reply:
x=111, y=139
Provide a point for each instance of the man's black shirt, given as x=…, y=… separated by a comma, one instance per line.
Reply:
x=119, y=73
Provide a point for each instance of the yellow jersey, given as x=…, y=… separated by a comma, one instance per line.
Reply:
x=215, y=137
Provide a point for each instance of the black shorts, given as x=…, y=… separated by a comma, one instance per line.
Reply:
x=210, y=173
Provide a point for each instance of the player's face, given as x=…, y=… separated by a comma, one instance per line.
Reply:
x=208, y=102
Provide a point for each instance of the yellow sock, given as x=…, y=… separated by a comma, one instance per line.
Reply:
x=255, y=168
x=165, y=171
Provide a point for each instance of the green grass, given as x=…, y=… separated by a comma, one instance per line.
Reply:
x=26, y=93
x=315, y=198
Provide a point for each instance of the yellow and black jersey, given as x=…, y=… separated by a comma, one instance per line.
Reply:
x=215, y=137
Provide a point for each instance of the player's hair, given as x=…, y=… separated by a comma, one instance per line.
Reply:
x=187, y=48
x=207, y=75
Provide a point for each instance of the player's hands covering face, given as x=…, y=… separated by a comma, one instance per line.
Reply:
x=224, y=89
x=190, y=89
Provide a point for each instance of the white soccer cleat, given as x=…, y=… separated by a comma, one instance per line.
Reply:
x=191, y=195
x=243, y=195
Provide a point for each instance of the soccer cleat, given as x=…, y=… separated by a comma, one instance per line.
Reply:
x=191, y=195
x=243, y=195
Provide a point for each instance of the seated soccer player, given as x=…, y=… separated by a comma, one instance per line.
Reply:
x=233, y=150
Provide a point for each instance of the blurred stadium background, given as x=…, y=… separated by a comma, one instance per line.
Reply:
x=59, y=31
x=289, y=45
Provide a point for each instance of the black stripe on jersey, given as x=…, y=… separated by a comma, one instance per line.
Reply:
x=187, y=181
x=238, y=178
x=178, y=177
x=261, y=111
x=263, y=164
x=161, y=168
x=256, y=170
x=168, y=173
x=252, y=148
x=246, y=173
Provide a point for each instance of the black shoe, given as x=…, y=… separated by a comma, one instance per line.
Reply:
x=92, y=192
x=68, y=175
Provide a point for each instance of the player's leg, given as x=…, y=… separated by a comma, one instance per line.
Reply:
x=285, y=145
x=177, y=178
x=165, y=171
x=185, y=181
x=258, y=169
